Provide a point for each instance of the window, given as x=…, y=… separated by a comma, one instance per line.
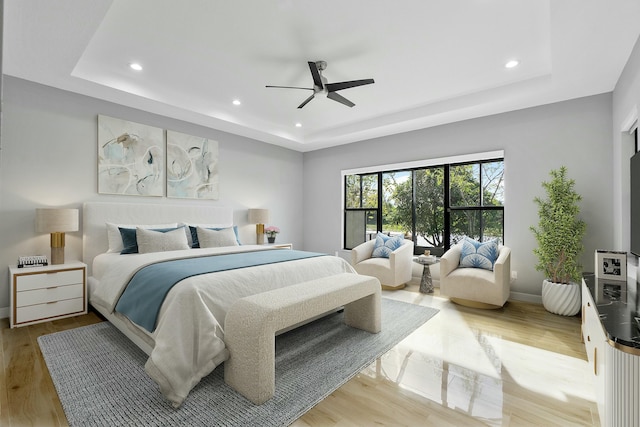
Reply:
x=396, y=202
x=361, y=208
x=435, y=206
x=429, y=202
x=476, y=201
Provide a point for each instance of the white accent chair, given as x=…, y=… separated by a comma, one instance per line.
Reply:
x=393, y=272
x=475, y=287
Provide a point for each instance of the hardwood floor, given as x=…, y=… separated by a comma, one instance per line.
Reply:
x=27, y=394
x=518, y=366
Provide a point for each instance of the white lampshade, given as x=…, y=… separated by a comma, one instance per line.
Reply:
x=56, y=220
x=258, y=216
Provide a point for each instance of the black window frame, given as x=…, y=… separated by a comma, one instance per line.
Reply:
x=448, y=209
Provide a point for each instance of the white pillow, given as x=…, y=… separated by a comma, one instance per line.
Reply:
x=216, y=238
x=188, y=225
x=158, y=241
x=115, y=239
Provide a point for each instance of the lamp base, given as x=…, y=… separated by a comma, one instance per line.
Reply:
x=57, y=248
x=57, y=256
x=260, y=234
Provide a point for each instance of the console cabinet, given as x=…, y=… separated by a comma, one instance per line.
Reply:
x=614, y=359
x=595, y=341
x=40, y=294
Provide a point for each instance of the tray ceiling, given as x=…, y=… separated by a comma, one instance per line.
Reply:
x=433, y=62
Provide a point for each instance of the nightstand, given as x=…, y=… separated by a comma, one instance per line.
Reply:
x=40, y=294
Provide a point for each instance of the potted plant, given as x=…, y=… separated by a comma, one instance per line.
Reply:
x=271, y=232
x=559, y=235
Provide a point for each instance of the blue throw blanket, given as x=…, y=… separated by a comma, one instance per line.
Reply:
x=148, y=287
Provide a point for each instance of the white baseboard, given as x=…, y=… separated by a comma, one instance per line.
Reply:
x=519, y=296
x=4, y=312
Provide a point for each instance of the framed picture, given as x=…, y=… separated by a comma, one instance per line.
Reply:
x=130, y=158
x=611, y=265
x=192, y=166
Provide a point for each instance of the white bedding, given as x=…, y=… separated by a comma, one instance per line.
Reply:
x=189, y=334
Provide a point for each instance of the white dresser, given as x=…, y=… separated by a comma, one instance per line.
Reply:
x=612, y=342
x=40, y=294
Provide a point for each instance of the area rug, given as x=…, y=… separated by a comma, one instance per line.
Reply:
x=100, y=379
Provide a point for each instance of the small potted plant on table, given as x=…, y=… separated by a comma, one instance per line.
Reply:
x=271, y=232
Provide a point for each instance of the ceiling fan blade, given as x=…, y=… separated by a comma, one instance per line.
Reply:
x=341, y=99
x=332, y=87
x=291, y=87
x=316, y=74
x=306, y=101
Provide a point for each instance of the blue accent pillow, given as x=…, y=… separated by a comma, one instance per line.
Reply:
x=130, y=242
x=196, y=242
x=479, y=255
x=385, y=245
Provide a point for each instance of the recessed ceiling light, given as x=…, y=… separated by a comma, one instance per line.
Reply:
x=135, y=66
x=298, y=125
x=511, y=64
x=236, y=102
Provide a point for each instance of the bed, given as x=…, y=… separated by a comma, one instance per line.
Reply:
x=186, y=340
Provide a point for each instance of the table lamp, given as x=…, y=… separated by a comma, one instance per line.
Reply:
x=259, y=217
x=56, y=222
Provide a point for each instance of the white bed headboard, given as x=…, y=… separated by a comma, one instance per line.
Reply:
x=95, y=215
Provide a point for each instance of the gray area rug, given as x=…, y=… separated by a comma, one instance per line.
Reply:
x=99, y=374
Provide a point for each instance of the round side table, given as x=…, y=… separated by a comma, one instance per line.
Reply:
x=426, y=283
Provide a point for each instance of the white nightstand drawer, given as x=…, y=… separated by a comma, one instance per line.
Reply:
x=40, y=294
x=44, y=311
x=46, y=280
x=56, y=293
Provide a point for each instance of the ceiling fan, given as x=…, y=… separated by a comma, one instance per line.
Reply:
x=320, y=85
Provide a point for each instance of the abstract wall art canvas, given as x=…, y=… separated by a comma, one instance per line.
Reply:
x=131, y=158
x=192, y=166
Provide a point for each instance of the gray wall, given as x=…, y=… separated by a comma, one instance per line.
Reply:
x=49, y=159
x=576, y=134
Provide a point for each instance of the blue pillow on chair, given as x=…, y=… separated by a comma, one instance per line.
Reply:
x=385, y=245
x=479, y=255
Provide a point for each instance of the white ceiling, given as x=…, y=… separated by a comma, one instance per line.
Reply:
x=433, y=62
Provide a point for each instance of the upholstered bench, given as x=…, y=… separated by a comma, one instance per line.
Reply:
x=252, y=322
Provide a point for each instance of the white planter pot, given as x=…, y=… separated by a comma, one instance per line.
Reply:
x=561, y=298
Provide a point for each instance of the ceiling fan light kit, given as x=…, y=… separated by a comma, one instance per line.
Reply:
x=321, y=87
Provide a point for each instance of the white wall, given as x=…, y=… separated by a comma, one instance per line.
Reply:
x=575, y=133
x=49, y=159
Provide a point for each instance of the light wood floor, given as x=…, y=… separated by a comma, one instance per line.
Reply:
x=518, y=366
